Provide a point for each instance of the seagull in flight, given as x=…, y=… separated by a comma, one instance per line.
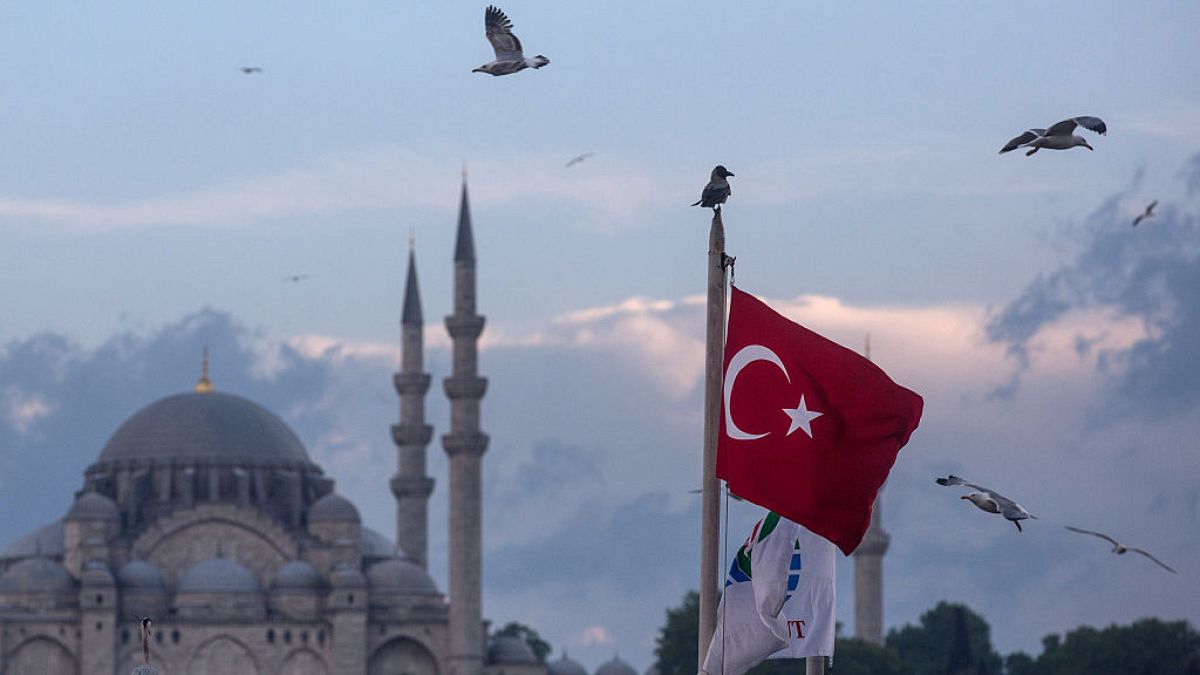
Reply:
x=990, y=501
x=510, y=58
x=578, y=159
x=1060, y=136
x=1119, y=548
x=250, y=70
x=717, y=190
x=1148, y=213
x=296, y=278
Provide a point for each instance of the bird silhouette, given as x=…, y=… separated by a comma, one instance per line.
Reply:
x=250, y=70
x=510, y=57
x=717, y=190
x=297, y=278
x=1148, y=213
x=578, y=159
x=990, y=501
x=1119, y=548
x=1060, y=136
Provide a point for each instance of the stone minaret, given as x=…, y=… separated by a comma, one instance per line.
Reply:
x=465, y=445
x=411, y=485
x=868, y=571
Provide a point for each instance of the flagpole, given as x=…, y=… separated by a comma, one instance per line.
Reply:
x=714, y=352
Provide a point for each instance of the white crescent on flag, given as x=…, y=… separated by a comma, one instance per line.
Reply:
x=745, y=356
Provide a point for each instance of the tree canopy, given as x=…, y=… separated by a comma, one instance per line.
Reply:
x=540, y=647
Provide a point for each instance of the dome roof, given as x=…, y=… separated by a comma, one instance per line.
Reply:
x=333, y=508
x=297, y=574
x=566, y=666
x=36, y=575
x=140, y=574
x=375, y=545
x=209, y=427
x=510, y=650
x=616, y=667
x=347, y=575
x=93, y=506
x=398, y=574
x=44, y=541
x=218, y=575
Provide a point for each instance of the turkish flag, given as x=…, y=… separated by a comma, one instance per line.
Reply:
x=809, y=429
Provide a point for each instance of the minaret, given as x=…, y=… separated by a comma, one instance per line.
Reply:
x=411, y=485
x=868, y=570
x=465, y=445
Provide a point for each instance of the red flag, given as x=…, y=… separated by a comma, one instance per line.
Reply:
x=809, y=429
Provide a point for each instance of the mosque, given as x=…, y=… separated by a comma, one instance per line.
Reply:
x=205, y=512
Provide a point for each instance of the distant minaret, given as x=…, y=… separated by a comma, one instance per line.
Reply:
x=868, y=570
x=410, y=485
x=465, y=445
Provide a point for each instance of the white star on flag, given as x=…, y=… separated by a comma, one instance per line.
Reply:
x=801, y=416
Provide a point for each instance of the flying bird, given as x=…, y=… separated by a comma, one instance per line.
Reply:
x=1119, y=548
x=578, y=159
x=717, y=190
x=510, y=58
x=990, y=501
x=1060, y=136
x=1148, y=213
x=250, y=70
x=296, y=278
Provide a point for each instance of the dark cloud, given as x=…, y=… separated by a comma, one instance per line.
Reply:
x=1150, y=274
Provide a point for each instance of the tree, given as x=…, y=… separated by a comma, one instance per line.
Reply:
x=1147, y=647
x=539, y=646
x=853, y=656
x=929, y=647
x=675, y=646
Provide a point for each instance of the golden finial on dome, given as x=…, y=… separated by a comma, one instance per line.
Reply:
x=204, y=385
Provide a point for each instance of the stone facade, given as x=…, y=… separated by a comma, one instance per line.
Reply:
x=205, y=513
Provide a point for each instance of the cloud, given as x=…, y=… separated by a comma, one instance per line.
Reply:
x=1143, y=280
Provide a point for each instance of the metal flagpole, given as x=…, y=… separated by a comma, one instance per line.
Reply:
x=714, y=353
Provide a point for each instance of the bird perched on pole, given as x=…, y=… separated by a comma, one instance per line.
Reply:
x=1060, y=136
x=510, y=58
x=717, y=190
x=145, y=668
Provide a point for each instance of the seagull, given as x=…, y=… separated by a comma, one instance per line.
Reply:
x=509, y=56
x=1059, y=136
x=1148, y=213
x=296, y=278
x=1119, y=548
x=990, y=501
x=250, y=70
x=578, y=159
x=717, y=190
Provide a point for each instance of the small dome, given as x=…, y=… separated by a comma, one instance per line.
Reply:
x=616, y=667
x=510, y=650
x=297, y=575
x=375, y=545
x=140, y=574
x=218, y=575
x=346, y=575
x=400, y=575
x=93, y=506
x=96, y=573
x=333, y=508
x=36, y=575
x=566, y=666
x=44, y=541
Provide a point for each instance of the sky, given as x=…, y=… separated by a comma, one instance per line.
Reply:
x=153, y=199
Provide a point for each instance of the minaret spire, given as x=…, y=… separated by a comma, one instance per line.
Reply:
x=868, y=568
x=411, y=486
x=465, y=445
x=204, y=385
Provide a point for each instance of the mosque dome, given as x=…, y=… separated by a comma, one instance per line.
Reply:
x=208, y=427
x=566, y=666
x=333, y=508
x=44, y=541
x=140, y=574
x=616, y=667
x=346, y=575
x=296, y=575
x=402, y=576
x=377, y=546
x=218, y=575
x=36, y=575
x=510, y=650
x=96, y=573
x=93, y=506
